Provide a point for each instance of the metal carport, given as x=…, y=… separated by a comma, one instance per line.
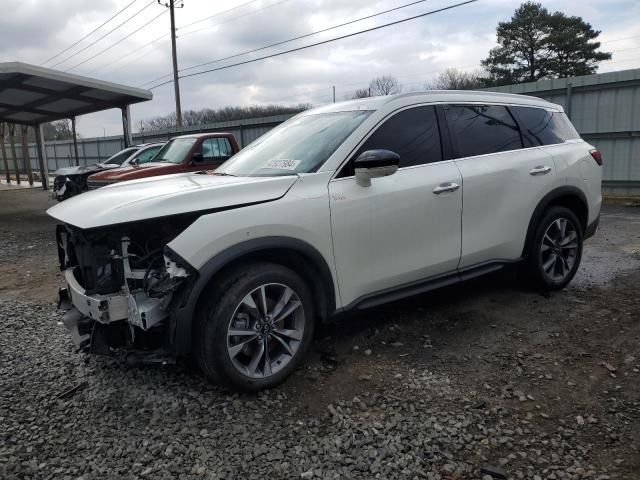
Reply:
x=32, y=95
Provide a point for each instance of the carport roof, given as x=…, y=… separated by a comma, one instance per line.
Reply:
x=30, y=95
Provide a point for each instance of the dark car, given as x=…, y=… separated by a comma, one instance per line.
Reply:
x=70, y=181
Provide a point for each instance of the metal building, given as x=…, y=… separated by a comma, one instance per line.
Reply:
x=605, y=108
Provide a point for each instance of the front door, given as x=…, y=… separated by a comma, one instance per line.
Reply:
x=403, y=228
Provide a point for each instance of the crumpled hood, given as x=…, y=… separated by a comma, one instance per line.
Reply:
x=169, y=195
x=84, y=169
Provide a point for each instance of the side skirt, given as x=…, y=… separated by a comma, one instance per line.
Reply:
x=426, y=285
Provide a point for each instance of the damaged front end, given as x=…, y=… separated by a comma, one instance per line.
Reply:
x=122, y=283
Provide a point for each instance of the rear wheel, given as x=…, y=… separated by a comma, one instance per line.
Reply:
x=556, y=250
x=255, y=331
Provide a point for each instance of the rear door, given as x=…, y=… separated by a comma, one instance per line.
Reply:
x=405, y=227
x=503, y=182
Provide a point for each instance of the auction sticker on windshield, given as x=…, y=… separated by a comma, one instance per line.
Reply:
x=283, y=164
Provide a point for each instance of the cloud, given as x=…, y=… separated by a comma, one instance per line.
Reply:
x=413, y=51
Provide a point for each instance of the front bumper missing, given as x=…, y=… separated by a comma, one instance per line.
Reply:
x=74, y=321
x=87, y=315
x=101, y=308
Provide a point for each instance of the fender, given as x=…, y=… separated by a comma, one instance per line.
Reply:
x=564, y=191
x=185, y=311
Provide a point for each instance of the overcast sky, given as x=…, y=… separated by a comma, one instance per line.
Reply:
x=413, y=51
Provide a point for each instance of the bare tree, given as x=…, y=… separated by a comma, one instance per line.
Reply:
x=384, y=85
x=455, y=79
x=360, y=93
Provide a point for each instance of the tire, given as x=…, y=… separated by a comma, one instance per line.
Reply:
x=556, y=249
x=240, y=360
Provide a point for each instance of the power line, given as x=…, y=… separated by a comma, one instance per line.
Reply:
x=179, y=36
x=120, y=58
x=217, y=14
x=304, y=47
x=229, y=20
x=90, y=33
x=106, y=34
x=118, y=42
x=293, y=39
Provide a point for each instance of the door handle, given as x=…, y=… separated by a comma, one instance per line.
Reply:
x=446, y=187
x=540, y=170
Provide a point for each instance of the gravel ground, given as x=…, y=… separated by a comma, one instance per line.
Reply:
x=481, y=381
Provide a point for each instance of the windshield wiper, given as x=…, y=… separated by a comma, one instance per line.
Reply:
x=223, y=174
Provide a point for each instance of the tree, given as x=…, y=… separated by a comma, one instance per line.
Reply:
x=573, y=53
x=384, y=85
x=536, y=44
x=379, y=86
x=193, y=118
x=361, y=93
x=455, y=79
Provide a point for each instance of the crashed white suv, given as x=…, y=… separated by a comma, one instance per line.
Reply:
x=342, y=207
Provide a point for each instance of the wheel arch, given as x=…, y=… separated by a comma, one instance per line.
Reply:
x=566, y=196
x=293, y=253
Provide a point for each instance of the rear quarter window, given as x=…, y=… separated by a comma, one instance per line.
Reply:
x=481, y=129
x=543, y=127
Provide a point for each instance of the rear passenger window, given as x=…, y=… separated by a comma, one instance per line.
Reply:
x=481, y=129
x=413, y=134
x=541, y=127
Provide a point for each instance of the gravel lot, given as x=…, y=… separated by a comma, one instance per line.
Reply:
x=481, y=381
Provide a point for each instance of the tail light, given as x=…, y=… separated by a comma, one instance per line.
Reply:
x=597, y=156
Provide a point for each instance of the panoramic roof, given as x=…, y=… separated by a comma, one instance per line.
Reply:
x=30, y=95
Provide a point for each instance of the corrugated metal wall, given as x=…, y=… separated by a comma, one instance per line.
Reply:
x=91, y=150
x=605, y=108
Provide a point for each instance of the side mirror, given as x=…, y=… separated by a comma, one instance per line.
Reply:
x=197, y=157
x=375, y=164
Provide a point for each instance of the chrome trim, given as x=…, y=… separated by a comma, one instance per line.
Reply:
x=540, y=170
x=446, y=188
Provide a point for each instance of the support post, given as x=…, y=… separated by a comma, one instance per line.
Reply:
x=126, y=126
x=25, y=153
x=75, y=140
x=4, y=154
x=12, y=139
x=176, y=84
x=334, y=94
x=42, y=156
x=568, y=102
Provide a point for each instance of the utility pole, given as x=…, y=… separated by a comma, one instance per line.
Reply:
x=334, y=94
x=171, y=6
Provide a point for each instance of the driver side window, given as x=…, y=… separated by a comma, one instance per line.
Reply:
x=413, y=134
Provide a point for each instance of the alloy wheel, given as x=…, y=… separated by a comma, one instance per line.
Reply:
x=559, y=249
x=265, y=330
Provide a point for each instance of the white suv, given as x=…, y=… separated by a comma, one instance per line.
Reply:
x=342, y=207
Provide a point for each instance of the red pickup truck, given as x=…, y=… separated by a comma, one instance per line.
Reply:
x=187, y=153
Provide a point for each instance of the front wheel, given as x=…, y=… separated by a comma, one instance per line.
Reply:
x=556, y=250
x=257, y=328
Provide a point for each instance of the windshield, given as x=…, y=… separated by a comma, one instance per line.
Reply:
x=121, y=156
x=175, y=151
x=299, y=145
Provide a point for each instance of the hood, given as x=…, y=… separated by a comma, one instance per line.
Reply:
x=131, y=172
x=84, y=169
x=168, y=195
